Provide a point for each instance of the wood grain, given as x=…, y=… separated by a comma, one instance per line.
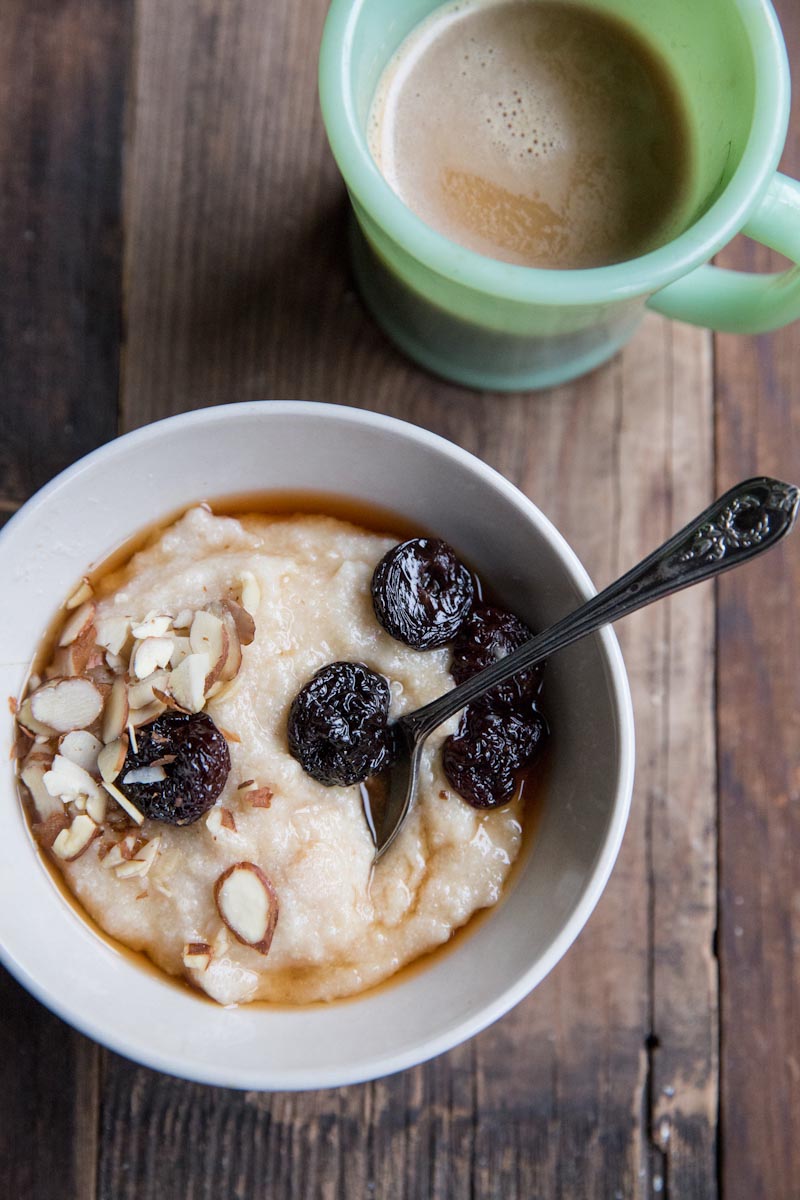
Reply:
x=758, y=418
x=237, y=287
x=62, y=70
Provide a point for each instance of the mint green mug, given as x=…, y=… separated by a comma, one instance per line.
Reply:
x=490, y=324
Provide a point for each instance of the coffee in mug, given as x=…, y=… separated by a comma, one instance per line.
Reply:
x=537, y=132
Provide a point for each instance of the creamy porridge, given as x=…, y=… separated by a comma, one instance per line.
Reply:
x=270, y=893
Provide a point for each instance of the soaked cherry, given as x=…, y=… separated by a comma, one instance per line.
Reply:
x=338, y=729
x=194, y=757
x=422, y=592
x=488, y=634
x=492, y=742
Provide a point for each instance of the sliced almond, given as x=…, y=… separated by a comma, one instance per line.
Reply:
x=143, y=716
x=123, y=801
x=32, y=775
x=78, y=623
x=111, y=758
x=155, y=625
x=167, y=700
x=71, y=843
x=208, y=635
x=69, y=781
x=130, y=845
x=260, y=797
x=184, y=619
x=47, y=831
x=142, y=861
x=96, y=807
x=79, y=656
x=218, y=819
x=81, y=747
x=233, y=660
x=145, y=775
x=149, y=655
x=188, y=680
x=112, y=633
x=81, y=594
x=115, y=717
x=144, y=692
x=181, y=648
x=248, y=905
x=196, y=956
x=67, y=704
x=251, y=593
x=26, y=718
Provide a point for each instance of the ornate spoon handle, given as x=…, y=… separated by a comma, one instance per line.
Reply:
x=747, y=520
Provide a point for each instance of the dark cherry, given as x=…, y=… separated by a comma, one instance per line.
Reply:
x=488, y=634
x=492, y=742
x=338, y=728
x=195, y=759
x=422, y=592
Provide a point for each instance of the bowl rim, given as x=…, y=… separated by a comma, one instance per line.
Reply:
x=193, y=1066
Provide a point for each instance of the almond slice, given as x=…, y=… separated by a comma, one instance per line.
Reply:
x=32, y=775
x=75, y=658
x=69, y=781
x=77, y=624
x=251, y=593
x=47, y=831
x=81, y=594
x=149, y=655
x=184, y=619
x=155, y=625
x=71, y=843
x=144, y=692
x=220, y=818
x=145, y=775
x=111, y=759
x=142, y=861
x=124, y=802
x=112, y=633
x=143, y=716
x=260, y=797
x=233, y=661
x=181, y=648
x=248, y=905
x=196, y=956
x=81, y=747
x=208, y=635
x=115, y=717
x=96, y=807
x=67, y=704
x=188, y=680
x=243, y=620
x=28, y=721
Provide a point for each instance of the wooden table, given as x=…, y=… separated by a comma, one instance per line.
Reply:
x=173, y=236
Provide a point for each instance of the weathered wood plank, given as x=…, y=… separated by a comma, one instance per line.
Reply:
x=62, y=71
x=758, y=418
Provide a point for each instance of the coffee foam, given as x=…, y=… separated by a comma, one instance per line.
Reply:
x=490, y=123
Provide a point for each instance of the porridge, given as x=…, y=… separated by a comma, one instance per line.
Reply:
x=165, y=751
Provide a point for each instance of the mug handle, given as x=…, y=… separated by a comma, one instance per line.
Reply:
x=733, y=301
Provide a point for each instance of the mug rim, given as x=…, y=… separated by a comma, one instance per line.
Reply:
x=187, y=1061
x=546, y=286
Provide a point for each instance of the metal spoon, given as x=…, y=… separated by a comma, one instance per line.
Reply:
x=748, y=519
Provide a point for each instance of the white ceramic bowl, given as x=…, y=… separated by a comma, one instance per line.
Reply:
x=92, y=507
